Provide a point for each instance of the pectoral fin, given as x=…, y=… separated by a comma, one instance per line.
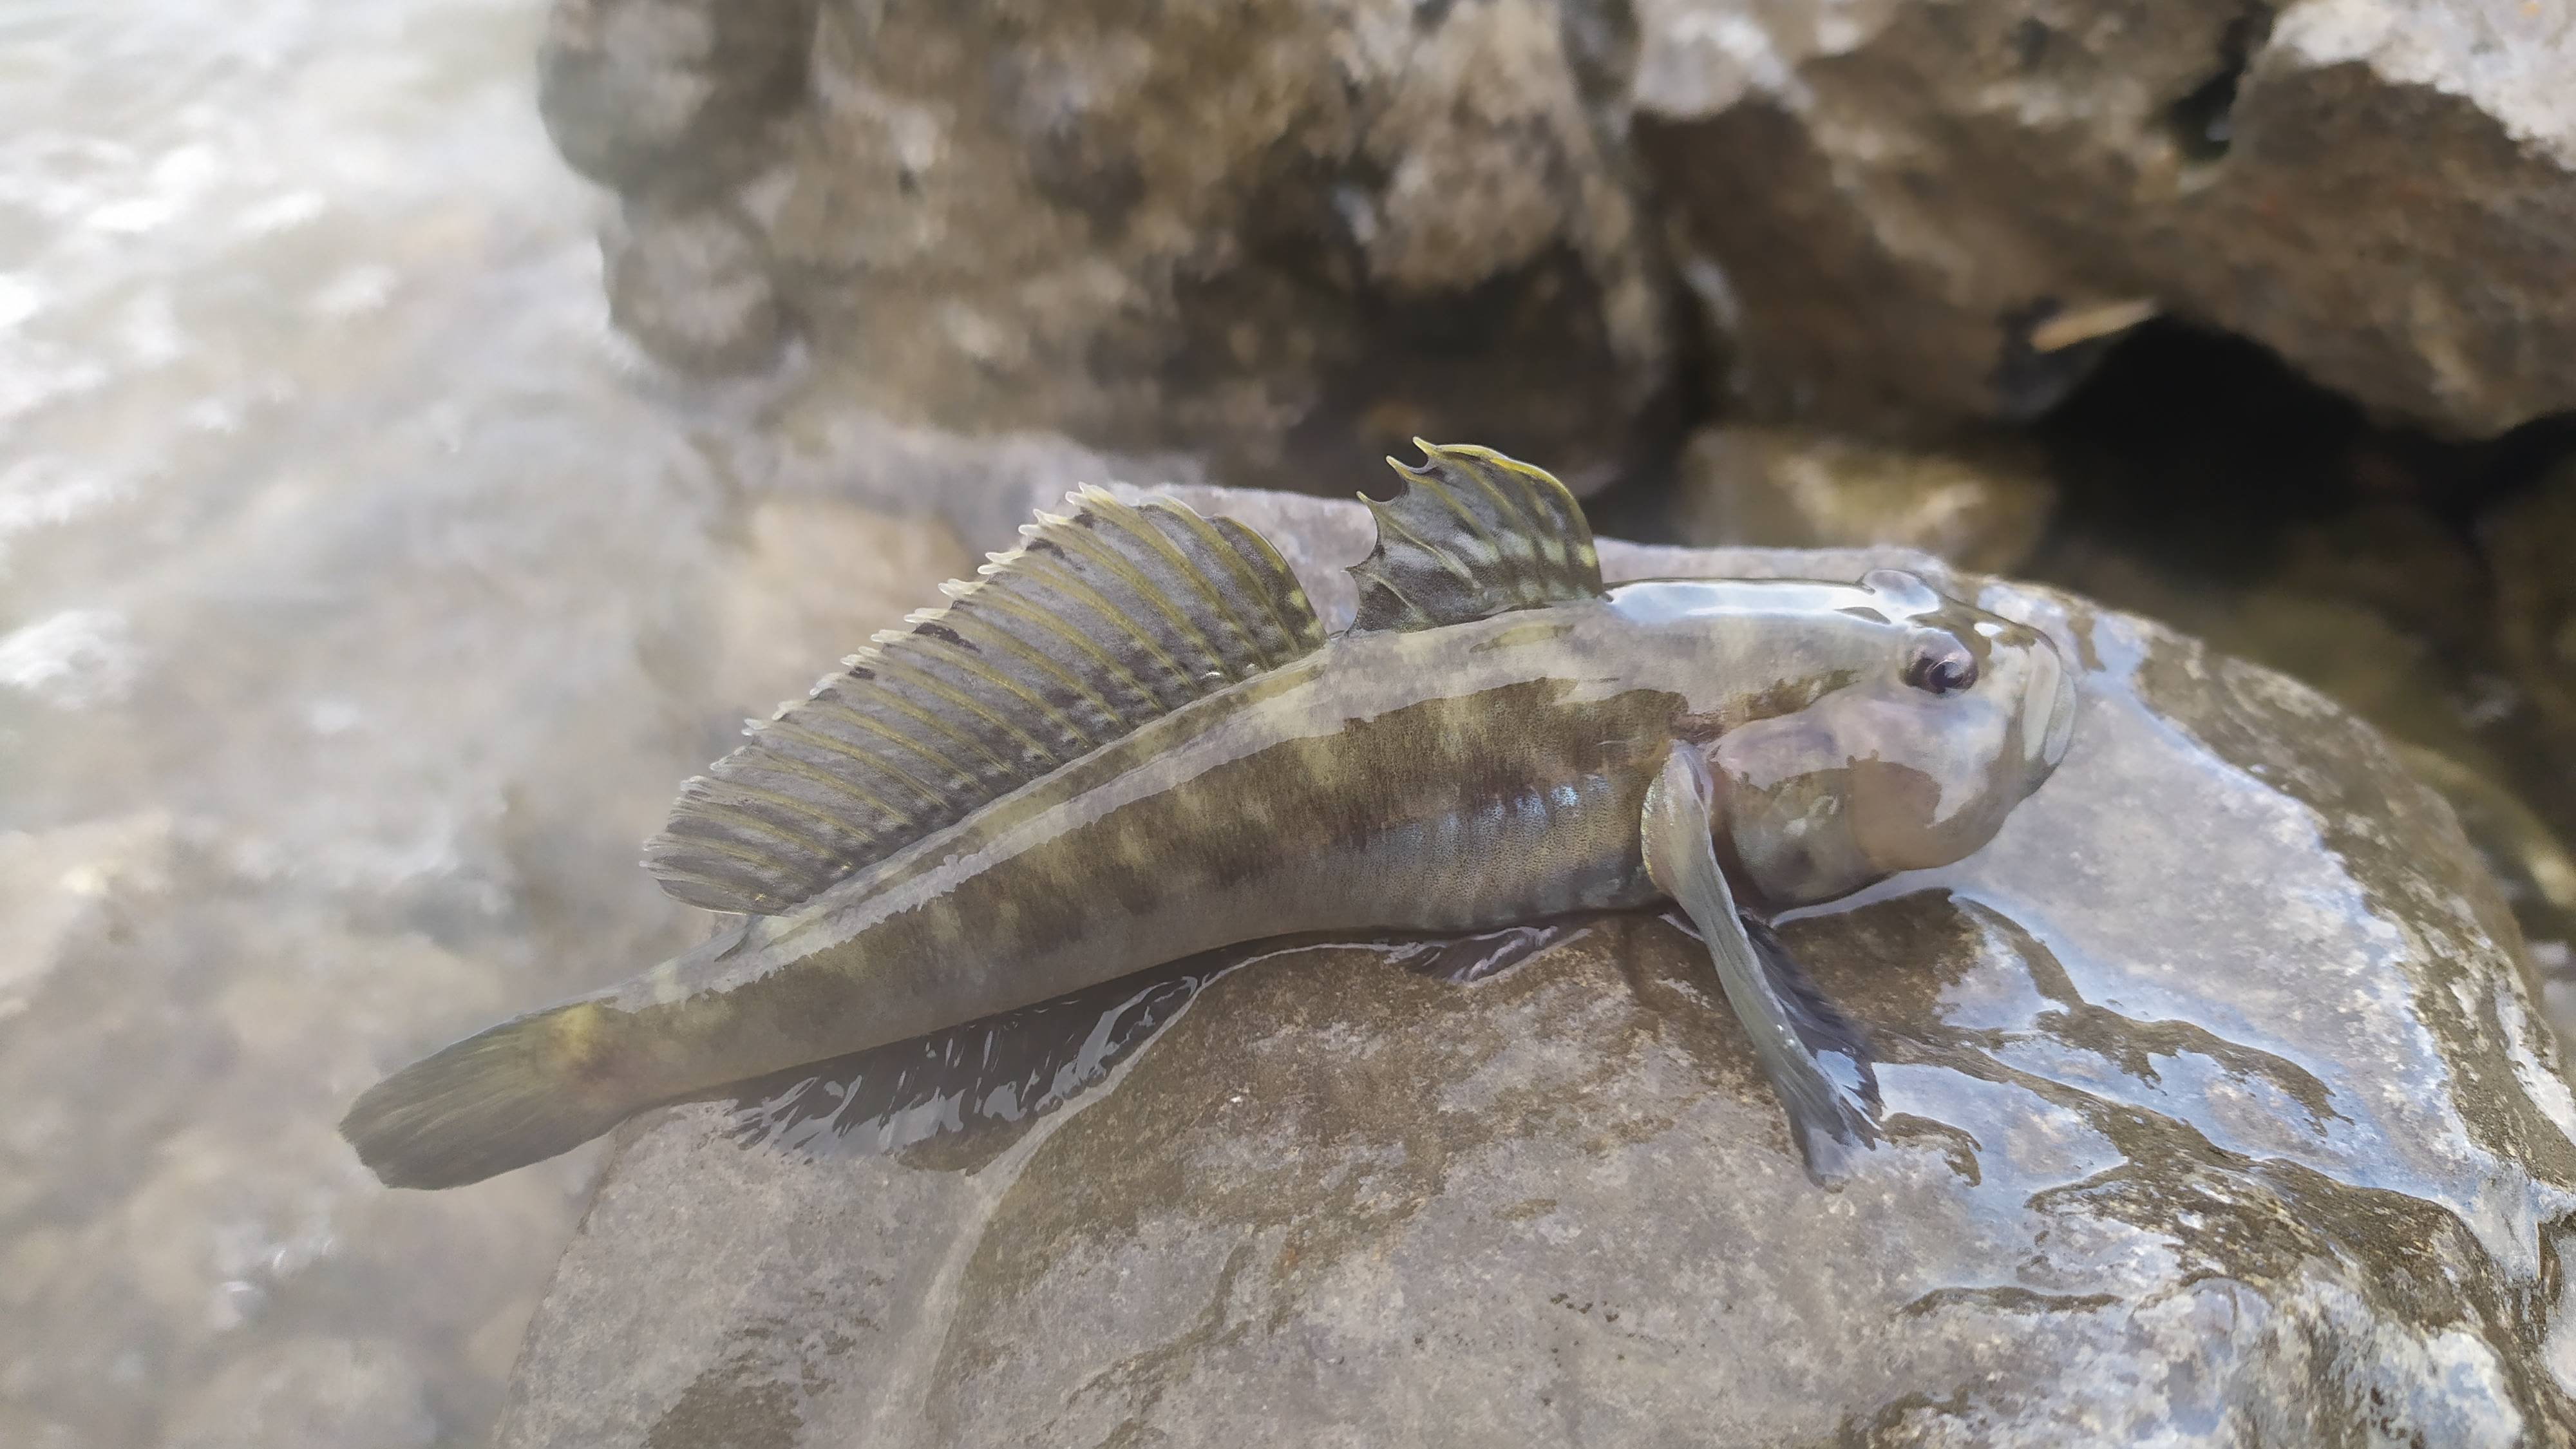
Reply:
x=1786, y=1017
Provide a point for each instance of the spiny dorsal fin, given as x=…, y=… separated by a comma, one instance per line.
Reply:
x=1473, y=533
x=1095, y=624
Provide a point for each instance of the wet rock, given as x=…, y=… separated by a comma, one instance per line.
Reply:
x=1287, y=236
x=2531, y=867
x=2388, y=612
x=1978, y=503
x=1905, y=213
x=2221, y=1113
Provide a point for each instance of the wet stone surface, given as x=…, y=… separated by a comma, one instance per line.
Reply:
x=2222, y=1113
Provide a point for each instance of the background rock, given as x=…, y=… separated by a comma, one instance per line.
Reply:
x=669, y=96
x=816, y=576
x=1285, y=234
x=692, y=284
x=2222, y=1114
x=2530, y=543
x=1881, y=200
x=1979, y=503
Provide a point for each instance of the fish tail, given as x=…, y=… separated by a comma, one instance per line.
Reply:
x=514, y=1094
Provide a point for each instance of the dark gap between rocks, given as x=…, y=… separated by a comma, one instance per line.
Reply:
x=2196, y=448
x=2205, y=482
x=2199, y=449
x=2203, y=122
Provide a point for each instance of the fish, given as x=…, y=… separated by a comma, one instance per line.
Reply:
x=1130, y=740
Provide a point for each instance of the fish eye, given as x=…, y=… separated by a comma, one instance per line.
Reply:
x=1943, y=668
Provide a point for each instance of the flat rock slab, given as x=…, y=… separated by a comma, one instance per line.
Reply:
x=2222, y=1113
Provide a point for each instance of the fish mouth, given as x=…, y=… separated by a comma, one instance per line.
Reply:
x=2047, y=711
x=2058, y=710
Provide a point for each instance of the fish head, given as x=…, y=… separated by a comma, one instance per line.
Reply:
x=1913, y=764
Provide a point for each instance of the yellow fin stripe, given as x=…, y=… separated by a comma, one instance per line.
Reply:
x=790, y=729
x=965, y=661
x=1472, y=534
x=1063, y=581
x=1245, y=582
x=984, y=631
x=1099, y=553
x=1208, y=597
x=1098, y=622
x=895, y=666
x=960, y=777
x=882, y=811
x=1108, y=664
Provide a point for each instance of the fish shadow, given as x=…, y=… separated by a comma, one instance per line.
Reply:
x=959, y=1097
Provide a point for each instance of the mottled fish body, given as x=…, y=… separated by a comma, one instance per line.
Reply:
x=1170, y=758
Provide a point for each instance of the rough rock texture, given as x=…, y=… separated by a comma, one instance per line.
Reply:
x=671, y=95
x=1288, y=234
x=2222, y=1115
x=1979, y=503
x=1881, y=199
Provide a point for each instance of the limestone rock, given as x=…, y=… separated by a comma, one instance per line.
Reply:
x=1883, y=200
x=1287, y=234
x=2222, y=1113
x=1980, y=503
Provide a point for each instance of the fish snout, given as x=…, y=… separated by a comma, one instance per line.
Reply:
x=2052, y=705
x=2047, y=709
x=2061, y=722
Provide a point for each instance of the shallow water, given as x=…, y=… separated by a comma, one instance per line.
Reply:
x=351, y=572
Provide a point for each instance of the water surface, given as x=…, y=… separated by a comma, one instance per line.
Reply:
x=351, y=572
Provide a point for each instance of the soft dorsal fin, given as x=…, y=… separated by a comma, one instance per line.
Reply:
x=1095, y=624
x=1473, y=533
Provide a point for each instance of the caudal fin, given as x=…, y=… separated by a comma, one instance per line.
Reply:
x=499, y=1099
